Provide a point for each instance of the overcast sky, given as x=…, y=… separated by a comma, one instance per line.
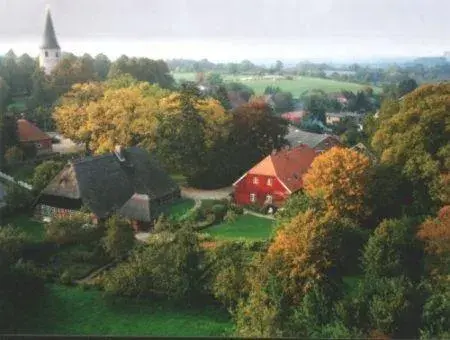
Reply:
x=232, y=29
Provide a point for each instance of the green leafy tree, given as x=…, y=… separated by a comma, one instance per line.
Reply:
x=119, y=238
x=44, y=173
x=415, y=137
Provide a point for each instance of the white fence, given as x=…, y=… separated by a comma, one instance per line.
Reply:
x=12, y=180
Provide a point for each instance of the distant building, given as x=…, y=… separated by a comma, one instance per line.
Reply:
x=50, y=51
x=294, y=117
x=270, y=182
x=30, y=135
x=336, y=117
x=317, y=141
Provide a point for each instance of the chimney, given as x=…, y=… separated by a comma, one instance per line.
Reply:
x=118, y=150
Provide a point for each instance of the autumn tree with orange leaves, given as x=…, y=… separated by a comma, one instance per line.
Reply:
x=339, y=176
x=435, y=233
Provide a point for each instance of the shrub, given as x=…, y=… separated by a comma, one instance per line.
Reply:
x=236, y=209
x=44, y=173
x=119, y=238
x=74, y=228
x=164, y=223
x=172, y=269
x=18, y=199
x=12, y=242
x=14, y=155
x=230, y=216
x=66, y=278
x=436, y=311
x=219, y=211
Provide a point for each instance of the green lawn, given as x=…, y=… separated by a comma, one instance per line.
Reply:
x=180, y=208
x=297, y=86
x=72, y=311
x=246, y=227
x=33, y=229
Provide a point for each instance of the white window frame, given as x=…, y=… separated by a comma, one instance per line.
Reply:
x=270, y=182
x=255, y=180
x=269, y=199
x=253, y=197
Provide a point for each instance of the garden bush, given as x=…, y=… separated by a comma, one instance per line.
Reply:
x=75, y=228
x=119, y=238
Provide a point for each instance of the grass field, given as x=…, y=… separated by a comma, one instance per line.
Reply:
x=297, y=86
x=72, y=311
x=246, y=227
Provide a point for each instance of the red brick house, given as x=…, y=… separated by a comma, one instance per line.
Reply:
x=270, y=182
x=30, y=135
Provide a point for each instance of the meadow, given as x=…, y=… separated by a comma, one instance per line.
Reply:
x=298, y=86
x=74, y=311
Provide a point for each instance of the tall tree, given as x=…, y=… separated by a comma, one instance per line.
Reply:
x=101, y=66
x=339, y=176
x=415, y=137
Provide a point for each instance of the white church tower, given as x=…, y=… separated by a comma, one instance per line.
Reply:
x=50, y=54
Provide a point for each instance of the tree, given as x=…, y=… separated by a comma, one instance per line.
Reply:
x=44, y=173
x=339, y=176
x=435, y=233
x=119, y=238
x=188, y=131
x=101, y=66
x=214, y=78
x=406, y=86
x=284, y=102
x=394, y=251
x=316, y=105
x=415, y=137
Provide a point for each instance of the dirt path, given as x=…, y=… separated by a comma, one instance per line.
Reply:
x=249, y=212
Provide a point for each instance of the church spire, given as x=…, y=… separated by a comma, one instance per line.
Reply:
x=49, y=40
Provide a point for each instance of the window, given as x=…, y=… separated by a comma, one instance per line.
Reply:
x=269, y=182
x=269, y=199
x=38, y=146
x=252, y=198
x=46, y=53
x=57, y=55
x=255, y=180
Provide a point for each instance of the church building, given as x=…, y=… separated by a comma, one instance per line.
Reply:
x=50, y=51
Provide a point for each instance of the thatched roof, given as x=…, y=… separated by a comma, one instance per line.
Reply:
x=105, y=184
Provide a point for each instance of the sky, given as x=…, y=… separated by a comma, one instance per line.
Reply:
x=228, y=30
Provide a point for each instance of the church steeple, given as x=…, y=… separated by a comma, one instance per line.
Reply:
x=49, y=40
x=50, y=50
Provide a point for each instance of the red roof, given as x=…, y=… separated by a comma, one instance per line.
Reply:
x=295, y=116
x=28, y=132
x=288, y=165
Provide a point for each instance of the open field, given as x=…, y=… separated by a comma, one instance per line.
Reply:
x=72, y=311
x=297, y=86
x=246, y=227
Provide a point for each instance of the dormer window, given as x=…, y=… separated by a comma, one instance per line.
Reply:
x=255, y=180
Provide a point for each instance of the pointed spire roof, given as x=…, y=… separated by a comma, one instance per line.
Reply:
x=49, y=40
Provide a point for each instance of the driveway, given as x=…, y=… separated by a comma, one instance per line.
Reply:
x=198, y=194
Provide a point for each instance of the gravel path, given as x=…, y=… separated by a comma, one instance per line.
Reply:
x=198, y=194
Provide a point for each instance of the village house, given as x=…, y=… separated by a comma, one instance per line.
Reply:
x=270, y=182
x=317, y=141
x=31, y=136
x=336, y=117
x=294, y=117
x=128, y=182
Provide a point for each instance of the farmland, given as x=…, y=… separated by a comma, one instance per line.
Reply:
x=297, y=86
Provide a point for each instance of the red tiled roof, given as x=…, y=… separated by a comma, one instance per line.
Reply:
x=288, y=166
x=28, y=132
